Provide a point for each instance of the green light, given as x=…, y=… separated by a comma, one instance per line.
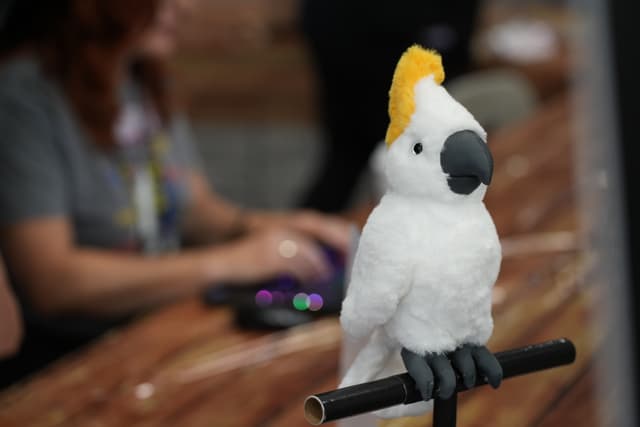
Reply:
x=301, y=301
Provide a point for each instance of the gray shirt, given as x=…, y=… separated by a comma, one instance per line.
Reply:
x=128, y=199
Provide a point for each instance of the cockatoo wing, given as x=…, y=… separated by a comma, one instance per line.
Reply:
x=381, y=274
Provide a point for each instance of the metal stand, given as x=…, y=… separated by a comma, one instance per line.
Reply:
x=401, y=389
x=444, y=411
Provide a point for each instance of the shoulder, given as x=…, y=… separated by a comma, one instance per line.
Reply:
x=21, y=72
x=27, y=111
x=24, y=85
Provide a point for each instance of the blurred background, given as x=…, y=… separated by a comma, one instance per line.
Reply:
x=246, y=76
x=286, y=104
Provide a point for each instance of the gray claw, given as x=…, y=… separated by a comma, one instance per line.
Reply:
x=428, y=371
x=487, y=365
x=462, y=361
x=420, y=371
x=445, y=376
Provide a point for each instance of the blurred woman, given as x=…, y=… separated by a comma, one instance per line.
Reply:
x=99, y=185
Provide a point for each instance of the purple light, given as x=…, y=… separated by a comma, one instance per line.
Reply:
x=315, y=302
x=278, y=297
x=263, y=298
x=286, y=283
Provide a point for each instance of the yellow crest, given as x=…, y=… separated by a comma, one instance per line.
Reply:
x=415, y=64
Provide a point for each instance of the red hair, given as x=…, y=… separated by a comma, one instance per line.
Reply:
x=87, y=46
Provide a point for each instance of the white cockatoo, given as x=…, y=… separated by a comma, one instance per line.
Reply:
x=429, y=254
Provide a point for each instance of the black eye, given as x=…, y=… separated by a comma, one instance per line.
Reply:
x=417, y=148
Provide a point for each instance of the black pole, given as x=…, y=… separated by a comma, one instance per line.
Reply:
x=445, y=411
x=401, y=389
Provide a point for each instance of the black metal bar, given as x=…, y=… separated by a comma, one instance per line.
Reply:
x=399, y=389
x=445, y=411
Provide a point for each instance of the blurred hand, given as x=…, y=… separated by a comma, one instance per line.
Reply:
x=328, y=229
x=331, y=230
x=267, y=253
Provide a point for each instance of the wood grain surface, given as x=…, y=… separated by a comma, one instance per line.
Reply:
x=189, y=365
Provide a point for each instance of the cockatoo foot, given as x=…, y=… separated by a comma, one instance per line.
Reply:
x=432, y=373
x=435, y=376
x=472, y=360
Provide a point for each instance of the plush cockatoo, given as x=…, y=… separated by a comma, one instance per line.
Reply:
x=429, y=254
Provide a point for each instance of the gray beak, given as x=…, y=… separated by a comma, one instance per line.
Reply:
x=467, y=160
